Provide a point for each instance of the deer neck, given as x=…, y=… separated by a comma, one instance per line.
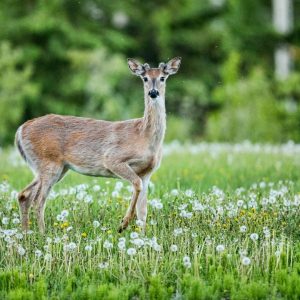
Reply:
x=154, y=121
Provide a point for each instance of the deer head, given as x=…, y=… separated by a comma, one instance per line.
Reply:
x=154, y=78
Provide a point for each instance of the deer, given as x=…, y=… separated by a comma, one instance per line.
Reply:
x=130, y=150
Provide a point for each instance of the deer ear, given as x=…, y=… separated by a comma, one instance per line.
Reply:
x=172, y=66
x=136, y=67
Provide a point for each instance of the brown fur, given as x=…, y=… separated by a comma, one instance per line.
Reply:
x=130, y=149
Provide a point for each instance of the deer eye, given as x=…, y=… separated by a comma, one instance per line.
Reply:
x=145, y=79
x=162, y=79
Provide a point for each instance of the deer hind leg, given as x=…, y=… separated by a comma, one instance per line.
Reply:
x=26, y=198
x=124, y=171
x=51, y=174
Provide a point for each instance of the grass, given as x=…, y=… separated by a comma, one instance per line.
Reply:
x=223, y=223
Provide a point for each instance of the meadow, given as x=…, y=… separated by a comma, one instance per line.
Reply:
x=223, y=223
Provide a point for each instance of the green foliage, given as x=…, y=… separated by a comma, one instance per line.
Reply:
x=250, y=111
x=69, y=57
x=15, y=89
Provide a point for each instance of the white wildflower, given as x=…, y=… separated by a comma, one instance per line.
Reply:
x=96, y=224
x=88, y=248
x=246, y=261
x=131, y=251
x=21, y=250
x=103, y=265
x=220, y=248
x=134, y=235
x=243, y=228
x=254, y=236
x=107, y=244
x=174, y=248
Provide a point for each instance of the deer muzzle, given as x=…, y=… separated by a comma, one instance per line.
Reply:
x=153, y=93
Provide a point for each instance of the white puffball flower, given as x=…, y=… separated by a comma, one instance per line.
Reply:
x=70, y=247
x=48, y=257
x=21, y=250
x=16, y=221
x=240, y=203
x=156, y=247
x=107, y=244
x=246, y=261
x=187, y=262
x=131, y=251
x=122, y=245
x=96, y=224
x=64, y=213
x=96, y=188
x=139, y=242
x=174, y=192
x=174, y=248
x=103, y=265
x=254, y=236
x=220, y=248
x=243, y=228
x=38, y=253
x=88, y=248
x=5, y=221
x=134, y=235
x=139, y=223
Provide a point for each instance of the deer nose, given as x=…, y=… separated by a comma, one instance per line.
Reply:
x=153, y=93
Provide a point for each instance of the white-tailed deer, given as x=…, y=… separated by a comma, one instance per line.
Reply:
x=130, y=149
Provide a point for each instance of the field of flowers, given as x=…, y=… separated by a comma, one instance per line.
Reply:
x=223, y=223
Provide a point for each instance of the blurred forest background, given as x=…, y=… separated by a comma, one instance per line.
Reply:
x=69, y=57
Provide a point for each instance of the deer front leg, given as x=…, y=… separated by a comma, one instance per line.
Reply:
x=141, y=206
x=124, y=171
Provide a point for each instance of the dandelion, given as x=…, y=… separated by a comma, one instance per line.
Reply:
x=59, y=218
x=96, y=188
x=138, y=242
x=122, y=245
x=131, y=251
x=21, y=250
x=220, y=248
x=48, y=257
x=178, y=231
x=38, y=253
x=139, y=223
x=70, y=247
x=243, y=228
x=115, y=194
x=64, y=213
x=246, y=261
x=57, y=240
x=189, y=193
x=119, y=185
x=16, y=221
x=174, y=248
x=88, y=199
x=254, y=236
x=187, y=262
x=5, y=221
x=153, y=222
x=277, y=253
x=156, y=247
x=107, y=244
x=88, y=248
x=134, y=235
x=103, y=265
x=240, y=203
x=96, y=224
x=19, y=236
x=174, y=192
